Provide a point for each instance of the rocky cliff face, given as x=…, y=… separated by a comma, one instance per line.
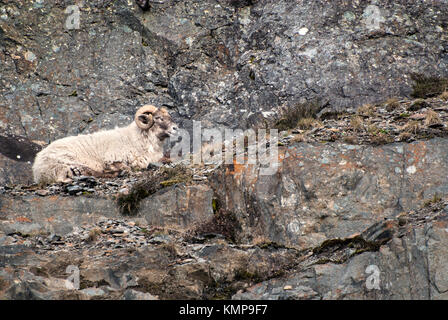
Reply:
x=337, y=221
x=356, y=210
x=222, y=62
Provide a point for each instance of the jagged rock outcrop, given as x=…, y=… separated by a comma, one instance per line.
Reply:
x=333, y=191
x=309, y=232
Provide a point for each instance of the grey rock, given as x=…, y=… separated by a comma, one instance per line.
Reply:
x=73, y=190
x=92, y=292
x=332, y=191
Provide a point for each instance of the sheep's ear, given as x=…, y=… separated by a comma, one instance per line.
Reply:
x=144, y=121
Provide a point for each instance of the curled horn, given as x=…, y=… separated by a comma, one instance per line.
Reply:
x=143, y=117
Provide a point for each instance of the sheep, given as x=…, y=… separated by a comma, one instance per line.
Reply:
x=109, y=151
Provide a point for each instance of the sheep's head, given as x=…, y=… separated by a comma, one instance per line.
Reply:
x=157, y=120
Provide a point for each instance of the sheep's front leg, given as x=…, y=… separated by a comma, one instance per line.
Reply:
x=165, y=160
x=67, y=172
x=75, y=171
x=115, y=168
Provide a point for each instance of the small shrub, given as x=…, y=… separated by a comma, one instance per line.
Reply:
x=435, y=199
x=381, y=138
x=290, y=117
x=307, y=123
x=432, y=118
x=155, y=180
x=426, y=87
x=356, y=123
x=418, y=104
x=367, y=110
x=404, y=115
x=224, y=222
x=93, y=234
x=392, y=104
x=404, y=136
x=129, y=203
x=373, y=130
x=444, y=96
x=412, y=127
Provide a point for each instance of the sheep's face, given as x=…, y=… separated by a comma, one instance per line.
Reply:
x=163, y=127
x=158, y=121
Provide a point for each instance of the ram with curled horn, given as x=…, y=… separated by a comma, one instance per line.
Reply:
x=101, y=153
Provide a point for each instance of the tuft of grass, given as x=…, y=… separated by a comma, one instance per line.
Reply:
x=367, y=110
x=129, y=203
x=170, y=248
x=307, y=123
x=427, y=87
x=444, y=95
x=298, y=138
x=392, y=104
x=404, y=136
x=412, y=126
x=245, y=275
x=356, y=122
x=435, y=199
x=93, y=234
x=381, y=138
x=175, y=175
x=289, y=118
x=418, y=104
x=373, y=130
x=432, y=118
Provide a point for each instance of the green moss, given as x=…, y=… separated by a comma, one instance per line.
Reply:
x=176, y=175
x=171, y=182
x=215, y=205
x=333, y=245
x=435, y=199
x=154, y=181
x=271, y=245
x=244, y=275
